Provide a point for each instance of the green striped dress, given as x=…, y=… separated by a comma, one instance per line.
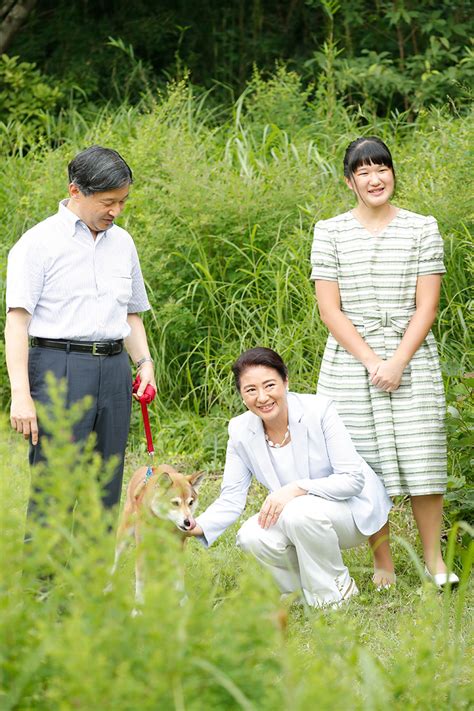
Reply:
x=400, y=434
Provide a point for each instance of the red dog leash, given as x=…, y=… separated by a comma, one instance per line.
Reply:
x=145, y=399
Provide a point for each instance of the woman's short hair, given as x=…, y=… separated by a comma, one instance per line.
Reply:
x=98, y=169
x=258, y=356
x=366, y=150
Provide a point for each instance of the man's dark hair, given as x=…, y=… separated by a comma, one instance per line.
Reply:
x=98, y=169
x=258, y=356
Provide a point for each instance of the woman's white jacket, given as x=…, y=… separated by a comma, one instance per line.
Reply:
x=326, y=465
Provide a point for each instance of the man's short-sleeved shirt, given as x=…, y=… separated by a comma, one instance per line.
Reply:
x=75, y=287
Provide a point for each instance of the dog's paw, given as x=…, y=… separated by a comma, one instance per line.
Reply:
x=136, y=612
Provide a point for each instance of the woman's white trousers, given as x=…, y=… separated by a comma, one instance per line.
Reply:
x=303, y=549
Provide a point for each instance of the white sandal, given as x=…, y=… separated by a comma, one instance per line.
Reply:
x=442, y=579
x=391, y=580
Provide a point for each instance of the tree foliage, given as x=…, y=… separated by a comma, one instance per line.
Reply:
x=397, y=54
x=28, y=98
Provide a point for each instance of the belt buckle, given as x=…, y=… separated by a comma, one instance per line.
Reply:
x=95, y=351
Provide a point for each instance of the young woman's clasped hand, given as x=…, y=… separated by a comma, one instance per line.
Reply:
x=387, y=374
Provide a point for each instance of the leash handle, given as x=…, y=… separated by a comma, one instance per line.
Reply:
x=146, y=423
x=149, y=393
x=146, y=398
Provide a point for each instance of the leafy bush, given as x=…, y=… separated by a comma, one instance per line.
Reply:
x=27, y=100
x=397, y=56
x=232, y=644
x=460, y=424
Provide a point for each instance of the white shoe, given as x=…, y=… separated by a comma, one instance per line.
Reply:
x=351, y=590
x=442, y=579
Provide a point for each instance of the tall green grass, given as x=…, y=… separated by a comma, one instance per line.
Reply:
x=222, y=211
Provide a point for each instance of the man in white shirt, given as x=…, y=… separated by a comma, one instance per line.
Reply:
x=74, y=294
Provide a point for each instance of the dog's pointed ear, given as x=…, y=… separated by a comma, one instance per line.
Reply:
x=195, y=479
x=165, y=480
x=139, y=489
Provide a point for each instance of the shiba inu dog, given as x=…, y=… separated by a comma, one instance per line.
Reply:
x=156, y=492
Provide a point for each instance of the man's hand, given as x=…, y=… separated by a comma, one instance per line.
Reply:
x=23, y=411
x=147, y=377
x=276, y=502
x=388, y=374
x=137, y=347
x=23, y=417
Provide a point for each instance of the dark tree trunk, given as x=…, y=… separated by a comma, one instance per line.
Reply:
x=12, y=16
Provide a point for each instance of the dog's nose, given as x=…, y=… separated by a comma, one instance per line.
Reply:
x=187, y=523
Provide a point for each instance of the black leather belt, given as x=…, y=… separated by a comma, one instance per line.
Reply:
x=99, y=348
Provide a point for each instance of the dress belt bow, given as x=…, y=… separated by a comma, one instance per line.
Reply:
x=397, y=321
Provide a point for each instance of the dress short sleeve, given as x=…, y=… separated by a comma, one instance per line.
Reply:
x=430, y=259
x=323, y=254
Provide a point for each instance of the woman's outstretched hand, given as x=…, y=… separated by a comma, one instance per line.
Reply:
x=276, y=502
x=387, y=374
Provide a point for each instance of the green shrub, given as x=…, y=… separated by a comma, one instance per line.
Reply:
x=232, y=644
x=27, y=100
x=460, y=425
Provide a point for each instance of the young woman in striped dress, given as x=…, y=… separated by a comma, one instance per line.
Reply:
x=377, y=271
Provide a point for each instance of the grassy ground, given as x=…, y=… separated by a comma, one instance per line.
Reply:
x=232, y=644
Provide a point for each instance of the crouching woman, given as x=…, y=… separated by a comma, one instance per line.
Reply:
x=323, y=496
